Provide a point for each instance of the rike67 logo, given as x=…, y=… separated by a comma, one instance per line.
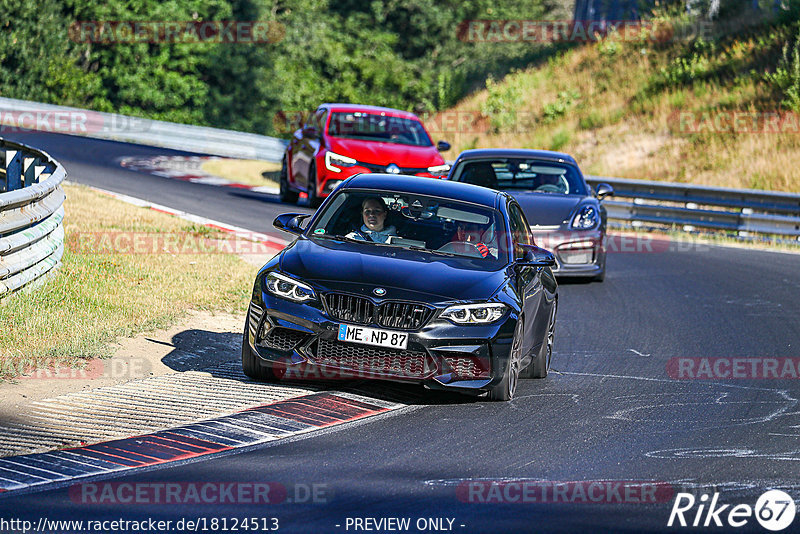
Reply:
x=774, y=510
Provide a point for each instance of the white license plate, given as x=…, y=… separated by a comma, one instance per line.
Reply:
x=373, y=336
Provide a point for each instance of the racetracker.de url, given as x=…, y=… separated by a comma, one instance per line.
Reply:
x=184, y=524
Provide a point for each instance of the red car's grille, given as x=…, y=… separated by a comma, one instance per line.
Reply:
x=382, y=168
x=390, y=314
x=405, y=363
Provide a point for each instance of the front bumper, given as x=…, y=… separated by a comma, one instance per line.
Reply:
x=300, y=341
x=578, y=252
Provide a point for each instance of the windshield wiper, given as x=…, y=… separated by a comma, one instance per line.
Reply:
x=432, y=251
x=345, y=238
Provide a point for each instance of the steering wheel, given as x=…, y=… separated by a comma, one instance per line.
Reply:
x=462, y=247
x=549, y=188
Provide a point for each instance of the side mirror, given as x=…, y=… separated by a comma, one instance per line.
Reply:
x=603, y=190
x=310, y=131
x=533, y=256
x=290, y=222
x=442, y=146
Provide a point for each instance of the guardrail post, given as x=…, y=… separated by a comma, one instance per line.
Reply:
x=13, y=170
x=3, y=180
x=29, y=173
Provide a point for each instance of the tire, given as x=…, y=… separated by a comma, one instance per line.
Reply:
x=251, y=365
x=602, y=276
x=504, y=391
x=540, y=365
x=313, y=200
x=287, y=195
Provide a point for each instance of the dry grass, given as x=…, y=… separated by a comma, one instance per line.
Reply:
x=618, y=122
x=98, y=297
x=244, y=171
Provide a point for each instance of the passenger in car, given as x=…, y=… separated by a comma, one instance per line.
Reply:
x=469, y=236
x=373, y=213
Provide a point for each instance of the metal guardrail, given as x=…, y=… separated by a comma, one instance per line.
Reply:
x=61, y=119
x=691, y=207
x=31, y=215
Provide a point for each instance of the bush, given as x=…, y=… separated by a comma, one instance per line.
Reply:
x=564, y=102
x=502, y=103
x=786, y=78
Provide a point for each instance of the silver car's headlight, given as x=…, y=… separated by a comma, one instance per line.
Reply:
x=285, y=287
x=474, y=313
x=586, y=218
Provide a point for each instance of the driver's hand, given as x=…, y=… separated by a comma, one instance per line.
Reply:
x=483, y=249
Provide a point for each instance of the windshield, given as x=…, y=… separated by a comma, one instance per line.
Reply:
x=431, y=225
x=540, y=176
x=375, y=127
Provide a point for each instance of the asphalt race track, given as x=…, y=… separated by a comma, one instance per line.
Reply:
x=628, y=401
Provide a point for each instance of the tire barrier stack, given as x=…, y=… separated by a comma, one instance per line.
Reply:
x=31, y=215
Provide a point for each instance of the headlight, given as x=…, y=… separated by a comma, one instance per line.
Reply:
x=586, y=218
x=332, y=159
x=439, y=170
x=288, y=288
x=474, y=313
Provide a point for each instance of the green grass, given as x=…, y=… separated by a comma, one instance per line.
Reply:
x=100, y=295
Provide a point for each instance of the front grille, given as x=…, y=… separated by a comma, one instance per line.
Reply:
x=403, y=315
x=283, y=339
x=390, y=314
x=382, y=168
x=470, y=367
x=254, y=318
x=350, y=308
x=405, y=363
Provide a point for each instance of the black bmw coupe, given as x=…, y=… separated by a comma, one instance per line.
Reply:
x=406, y=279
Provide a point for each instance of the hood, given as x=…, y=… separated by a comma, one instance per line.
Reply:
x=547, y=209
x=405, y=274
x=380, y=153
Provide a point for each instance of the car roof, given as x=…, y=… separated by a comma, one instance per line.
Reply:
x=478, y=153
x=370, y=109
x=427, y=186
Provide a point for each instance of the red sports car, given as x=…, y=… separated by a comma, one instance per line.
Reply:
x=340, y=140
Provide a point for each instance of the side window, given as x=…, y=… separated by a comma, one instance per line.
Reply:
x=319, y=120
x=520, y=233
